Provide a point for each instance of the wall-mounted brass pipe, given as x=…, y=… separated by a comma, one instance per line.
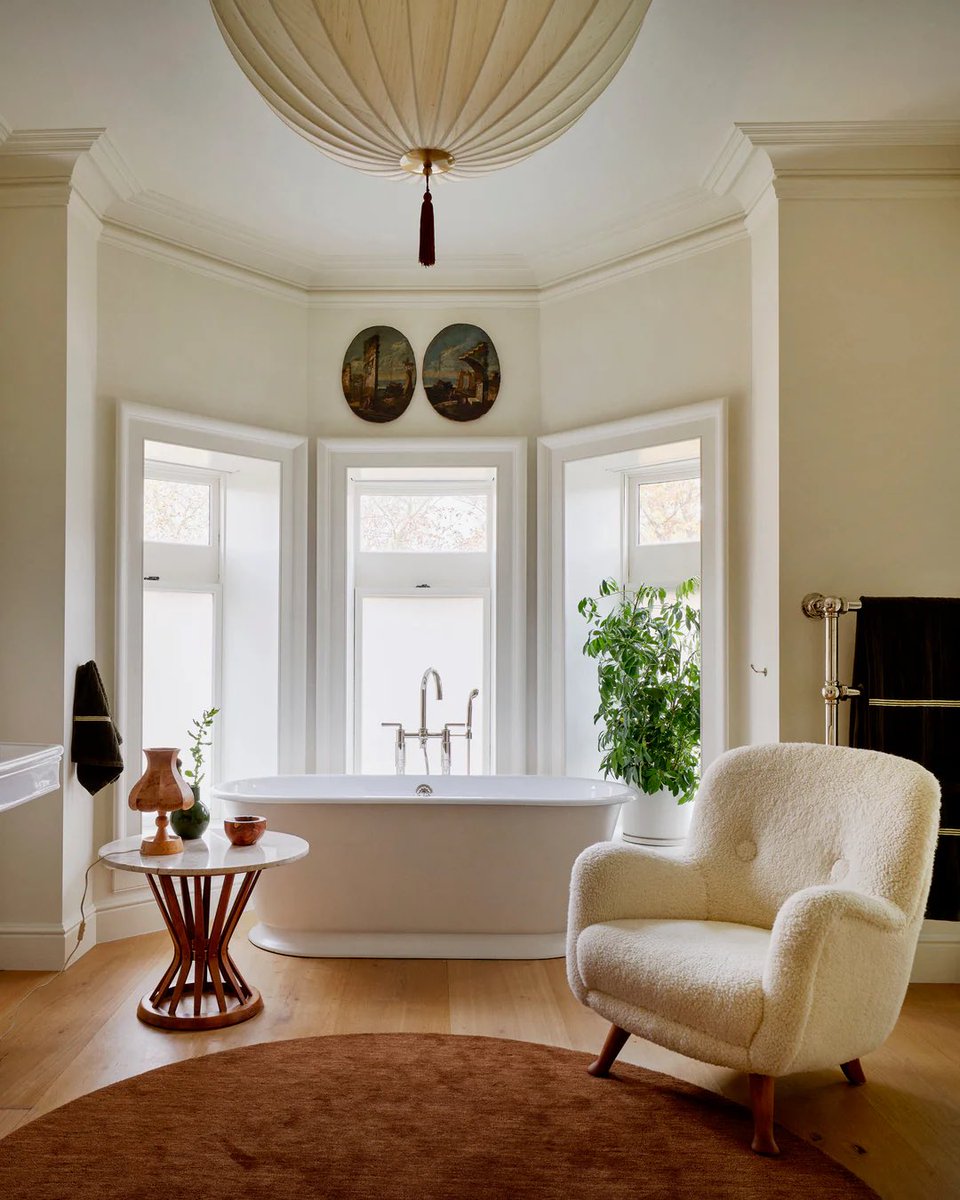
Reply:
x=830, y=609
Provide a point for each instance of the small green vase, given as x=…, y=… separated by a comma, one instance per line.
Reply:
x=191, y=823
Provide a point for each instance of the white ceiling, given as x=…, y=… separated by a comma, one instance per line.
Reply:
x=207, y=154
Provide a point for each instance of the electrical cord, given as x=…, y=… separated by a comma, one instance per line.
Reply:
x=81, y=930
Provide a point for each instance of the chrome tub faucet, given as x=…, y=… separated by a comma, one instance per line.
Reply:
x=423, y=734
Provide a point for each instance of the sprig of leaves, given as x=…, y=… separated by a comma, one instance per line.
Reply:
x=648, y=673
x=199, y=737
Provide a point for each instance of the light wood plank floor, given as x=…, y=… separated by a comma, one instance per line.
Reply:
x=901, y=1133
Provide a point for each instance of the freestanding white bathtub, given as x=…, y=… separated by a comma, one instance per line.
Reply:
x=479, y=868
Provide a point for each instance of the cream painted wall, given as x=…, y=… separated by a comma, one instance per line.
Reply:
x=84, y=462
x=33, y=341
x=48, y=282
x=177, y=338
x=674, y=335
x=760, y=549
x=869, y=418
x=515, y=333
x=852, y=308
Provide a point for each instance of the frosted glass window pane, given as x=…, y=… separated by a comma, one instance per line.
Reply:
x=177, y=669
x=668, y=512
x=423, y=524
x=400, y=638
x=176, y=511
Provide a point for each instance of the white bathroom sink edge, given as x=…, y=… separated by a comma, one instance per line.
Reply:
x=26, y=772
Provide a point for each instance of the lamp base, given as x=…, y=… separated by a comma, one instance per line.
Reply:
x=162, y=841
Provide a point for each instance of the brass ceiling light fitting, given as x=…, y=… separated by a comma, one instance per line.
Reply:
x=430, y=87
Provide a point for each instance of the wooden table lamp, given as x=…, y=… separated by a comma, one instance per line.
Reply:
x=161, y=789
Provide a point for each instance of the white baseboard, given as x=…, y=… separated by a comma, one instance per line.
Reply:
x=126, y=914
x=134, y=911
x=938, y=953
x=43, y=946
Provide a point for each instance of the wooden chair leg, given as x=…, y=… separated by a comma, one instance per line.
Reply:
x=853, y=1072
x=761, y=1102
x=616, y=1040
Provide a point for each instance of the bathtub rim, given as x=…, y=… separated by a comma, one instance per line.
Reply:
x=617, y=793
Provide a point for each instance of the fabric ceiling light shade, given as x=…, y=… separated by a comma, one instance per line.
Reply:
x=430, y=86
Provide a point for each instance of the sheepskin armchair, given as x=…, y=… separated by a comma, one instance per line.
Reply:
x=782, y=938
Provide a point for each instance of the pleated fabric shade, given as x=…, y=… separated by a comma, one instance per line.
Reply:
x=486, y=81
x=430, y=86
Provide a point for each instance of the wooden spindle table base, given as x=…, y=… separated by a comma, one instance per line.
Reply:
x=202, y=988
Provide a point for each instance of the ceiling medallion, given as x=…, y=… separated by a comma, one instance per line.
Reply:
x=430, y=87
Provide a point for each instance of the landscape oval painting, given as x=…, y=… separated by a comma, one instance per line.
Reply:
x=461, y=373
x=379, y=374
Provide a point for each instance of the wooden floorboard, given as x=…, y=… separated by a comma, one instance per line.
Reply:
x=901, y=1133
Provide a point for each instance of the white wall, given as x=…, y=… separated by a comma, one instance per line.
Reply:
x=33, y=282
x=869, y=418
x=48, y=280
x=674, y=335
x=178, y=338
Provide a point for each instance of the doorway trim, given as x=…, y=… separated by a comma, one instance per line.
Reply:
x=706, y=420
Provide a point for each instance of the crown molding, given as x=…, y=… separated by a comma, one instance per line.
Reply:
x=46, y=166
x=634, y=234
x=858, y=160
x=164, y=250
x=698, y=239
x=428, y=297
x=161, y=228
x=167, y=250
x=188, y=229
x=851, y=133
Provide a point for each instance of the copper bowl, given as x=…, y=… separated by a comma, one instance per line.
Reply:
x=244, y=831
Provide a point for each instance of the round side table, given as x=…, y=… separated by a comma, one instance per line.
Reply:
x=216, y=994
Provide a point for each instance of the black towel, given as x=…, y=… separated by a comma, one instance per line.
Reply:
x=96, y=743
x=908, y=648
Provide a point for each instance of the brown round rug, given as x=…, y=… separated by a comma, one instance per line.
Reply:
x=404, y=1115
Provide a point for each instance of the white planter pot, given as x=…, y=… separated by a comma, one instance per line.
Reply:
x=656, y=820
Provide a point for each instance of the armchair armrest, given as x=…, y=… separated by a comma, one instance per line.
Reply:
x=612, y=882
x=810, y=912
x=833, y=980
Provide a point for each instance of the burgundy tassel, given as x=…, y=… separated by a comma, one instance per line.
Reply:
x=427, y=251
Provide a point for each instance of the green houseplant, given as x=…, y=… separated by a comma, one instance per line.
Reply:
x=192, y=822
x=647, y=649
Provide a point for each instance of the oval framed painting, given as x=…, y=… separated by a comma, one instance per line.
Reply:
x=379, y=374
x=461, y=372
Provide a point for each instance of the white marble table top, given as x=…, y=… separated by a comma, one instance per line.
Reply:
x=213, y=854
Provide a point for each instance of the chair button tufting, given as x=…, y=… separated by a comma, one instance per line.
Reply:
x=839, y=870
x=746, y=851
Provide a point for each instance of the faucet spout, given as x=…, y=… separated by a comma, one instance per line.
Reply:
x=423, y=697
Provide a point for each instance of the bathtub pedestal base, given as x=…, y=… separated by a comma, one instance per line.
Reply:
x=321, y=944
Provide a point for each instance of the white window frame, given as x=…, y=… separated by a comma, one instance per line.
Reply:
x=706, y=421
x=179, y=561
x=487, y=683
x=336, y=459
x=136, y=425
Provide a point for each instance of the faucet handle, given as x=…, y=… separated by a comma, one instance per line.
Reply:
x=391, y=724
